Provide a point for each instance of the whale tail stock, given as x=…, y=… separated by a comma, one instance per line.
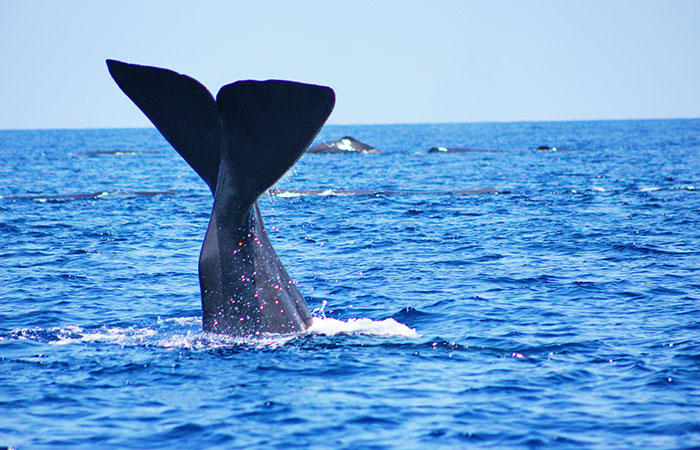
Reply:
x=240, y=144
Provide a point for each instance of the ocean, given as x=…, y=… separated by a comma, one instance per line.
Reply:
x=560, y=311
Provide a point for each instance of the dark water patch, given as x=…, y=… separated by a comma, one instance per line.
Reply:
x=371, y=421
x=412, y=316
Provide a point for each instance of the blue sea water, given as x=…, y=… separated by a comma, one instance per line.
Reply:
x=560, y=312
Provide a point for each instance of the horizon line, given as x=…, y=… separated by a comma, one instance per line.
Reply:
x=380, y=123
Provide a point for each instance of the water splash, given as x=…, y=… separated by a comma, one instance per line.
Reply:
x=186, y=333
x=381, y=328
x=172, y=333
x=320, y=312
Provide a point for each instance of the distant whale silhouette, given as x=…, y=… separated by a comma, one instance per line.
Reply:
x=378, y=192
x=460, y=150
x=240, y=144
x=541, y=148
x=116, y=152
x=347, y=144
x=546, y=148
x=88, y=195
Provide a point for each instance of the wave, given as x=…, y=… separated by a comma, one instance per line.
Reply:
x=291, y=193
x=688, y=188
x=272, y=193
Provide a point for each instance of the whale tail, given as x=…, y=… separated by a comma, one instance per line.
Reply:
x=240, y=144
x=263, y=127
x=267, y=127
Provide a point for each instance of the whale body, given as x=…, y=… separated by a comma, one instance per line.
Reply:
x=240, y=144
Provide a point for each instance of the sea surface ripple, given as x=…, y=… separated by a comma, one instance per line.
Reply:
x=560, y=311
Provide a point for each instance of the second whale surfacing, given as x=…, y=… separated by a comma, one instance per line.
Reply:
x=240, y=143
x=346, y=145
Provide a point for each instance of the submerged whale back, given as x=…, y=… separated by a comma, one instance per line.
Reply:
x=240, y=144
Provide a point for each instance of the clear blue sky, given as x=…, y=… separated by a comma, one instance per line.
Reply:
x=388, y=61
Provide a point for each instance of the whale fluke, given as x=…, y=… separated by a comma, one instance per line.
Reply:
x=182, y=110
x=240, y=143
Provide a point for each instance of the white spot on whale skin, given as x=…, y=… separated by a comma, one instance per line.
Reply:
x=345, y=144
